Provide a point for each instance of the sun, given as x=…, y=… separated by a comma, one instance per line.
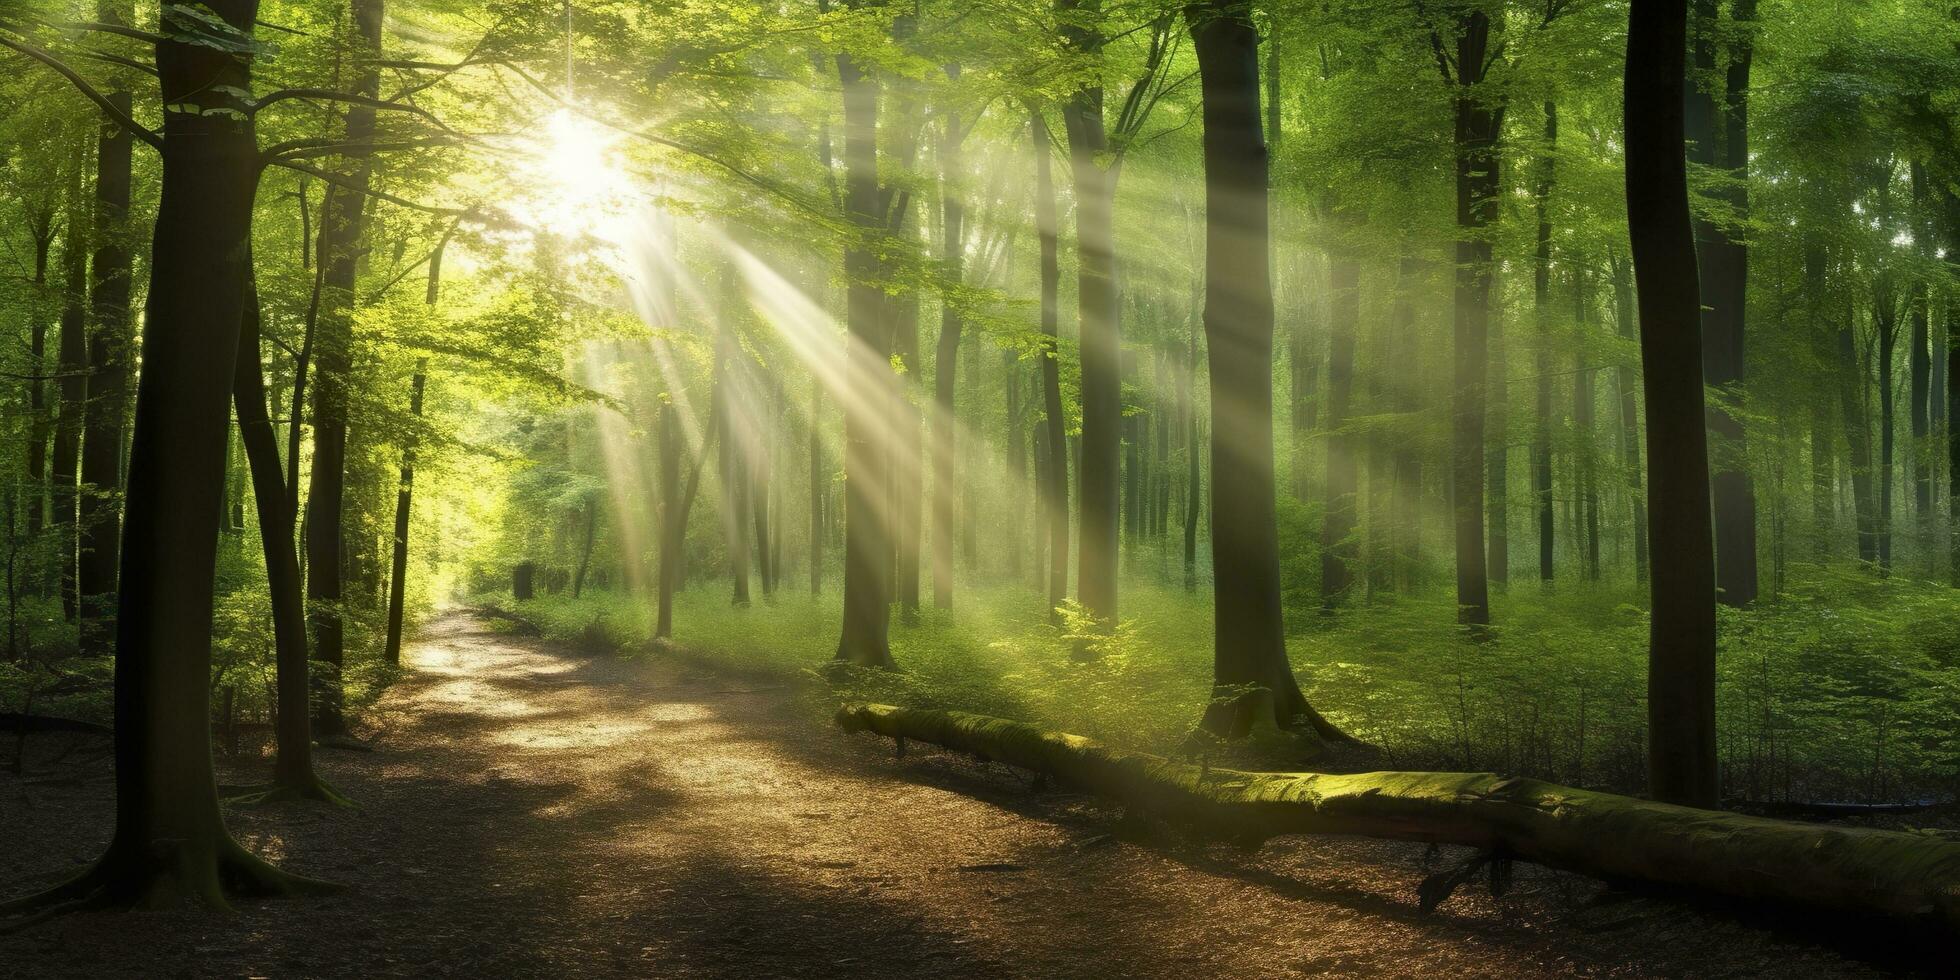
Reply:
x=579, y=185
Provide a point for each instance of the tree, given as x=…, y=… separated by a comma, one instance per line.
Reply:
x=1254, y=687
x=865, y=637
x=1717, y=124
x=170, y=841
x=341, y=221
x=1681, y=653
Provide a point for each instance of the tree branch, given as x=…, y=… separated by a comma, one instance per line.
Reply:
x=108, y=108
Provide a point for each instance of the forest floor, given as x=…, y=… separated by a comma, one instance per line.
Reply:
x=530, y=811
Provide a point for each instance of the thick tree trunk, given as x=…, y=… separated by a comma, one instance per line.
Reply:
x=945, y=366
x=1681, y=653
x=1101, y=346
x=1477, y=125
x=1055, y=419
x=1847, y=869
x=1254, y=687
x=170, y=841
x=108, y=374
x=864, y=637
x=341, y=221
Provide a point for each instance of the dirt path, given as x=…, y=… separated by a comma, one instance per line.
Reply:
x=533, y=813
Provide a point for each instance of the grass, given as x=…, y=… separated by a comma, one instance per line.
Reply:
x=1845, y=688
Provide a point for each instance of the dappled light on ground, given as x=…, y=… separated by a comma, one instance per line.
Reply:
x=533, y=812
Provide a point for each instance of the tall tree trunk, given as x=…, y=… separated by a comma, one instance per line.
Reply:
x=341, y=221
x=292, y=773
x=1681, y=652
x=1254, y=687
x=1628, y=385
x=1337, y=537
x=1886, y=313
x=72, y=387
x=732, y=394
x=41, y=224
x=108, y=372
x=1920, y=364
x=1541, y=288
x=1584, y=452
x=819, y=487
x=1477, y=127
x=1193, y=472
x=404, y=499
x=1055, y=420
x=1853, y=392
x=1716, y=121
x=944, y=446
x=864, y=637
x=1099, y=323
x=672, y=527
x=170, y=841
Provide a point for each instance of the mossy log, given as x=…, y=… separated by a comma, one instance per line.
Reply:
x=1619, y=838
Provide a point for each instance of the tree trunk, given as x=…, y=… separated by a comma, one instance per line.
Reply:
x=1541, y=291
x=1056, y=421
x=170, y=841
x=1628, y=385
x=292, y=773
x=819, y=485
x=341, y=221
x=945, y=366
x=864, y=637
x=1848, y=869
x=1920, y=365
x=1681, y=654
x=1099, y=321
x=72, y=388
x=1477, y=125
x=1253, y=683
x=1337, y=537
x=1716, y=124
x=1886, y=313
x=108, y=374
x=404, y=498
x=671, y=529
x=42, y=226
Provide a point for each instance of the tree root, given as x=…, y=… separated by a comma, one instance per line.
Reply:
x=164, y=875
x=318, y=790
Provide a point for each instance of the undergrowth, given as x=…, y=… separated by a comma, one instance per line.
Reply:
x=1854, y=698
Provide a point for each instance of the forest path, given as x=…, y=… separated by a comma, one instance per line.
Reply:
x=533, y=812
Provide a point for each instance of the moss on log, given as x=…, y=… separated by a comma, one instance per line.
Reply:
x=1854, y=869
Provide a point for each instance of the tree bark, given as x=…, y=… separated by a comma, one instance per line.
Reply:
x=945, y=428
x=1253, y=684
x=292, y=773
x=1477, y=127
x=1100, y=327
x=1628, y=386
x=170, y=841
x=1681, y=653
x=71, y=387
x=1541, y=290
x=1716, y=124
x=1848, y=869
x=1056, y=422
x=341, y=221
x=869, y=383
x=404, y=498
x=108, y=372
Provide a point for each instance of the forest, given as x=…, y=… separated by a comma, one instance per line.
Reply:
x=990, y=488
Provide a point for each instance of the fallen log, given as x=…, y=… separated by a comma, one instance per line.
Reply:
x=1852, y=869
